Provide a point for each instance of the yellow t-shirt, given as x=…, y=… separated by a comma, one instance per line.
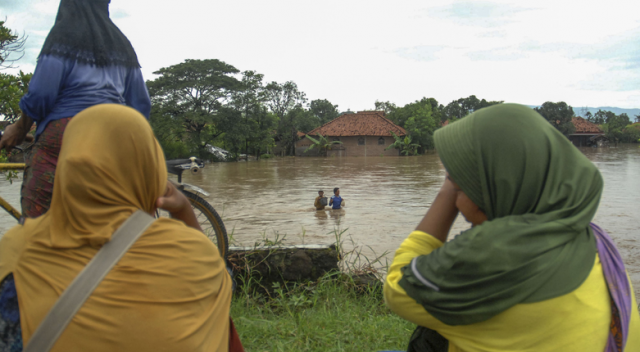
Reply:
x=577, y=321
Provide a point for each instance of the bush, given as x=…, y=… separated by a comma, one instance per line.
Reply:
x=174, y=150
x=631, y=133
x=267, y=156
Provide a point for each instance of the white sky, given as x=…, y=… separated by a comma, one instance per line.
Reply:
x=586, y=53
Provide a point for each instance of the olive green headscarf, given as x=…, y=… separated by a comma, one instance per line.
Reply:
x=539, y=193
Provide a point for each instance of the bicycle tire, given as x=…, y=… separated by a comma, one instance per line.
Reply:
x=212, y=224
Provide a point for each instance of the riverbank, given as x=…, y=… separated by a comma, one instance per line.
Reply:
x=330, y=314
x=337, y=306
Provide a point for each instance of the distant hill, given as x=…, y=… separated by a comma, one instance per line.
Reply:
x=581, y=111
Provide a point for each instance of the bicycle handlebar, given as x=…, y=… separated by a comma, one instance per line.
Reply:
x=177, y=166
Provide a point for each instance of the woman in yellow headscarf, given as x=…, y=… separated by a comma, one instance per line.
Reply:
x=169, y=292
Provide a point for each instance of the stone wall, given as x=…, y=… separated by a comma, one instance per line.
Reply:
x=279, y=264
x=352, y=146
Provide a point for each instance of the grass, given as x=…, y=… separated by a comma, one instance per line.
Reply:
x=328, y=315
x=338, y=312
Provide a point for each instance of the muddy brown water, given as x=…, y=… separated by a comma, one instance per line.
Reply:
x=385, y=199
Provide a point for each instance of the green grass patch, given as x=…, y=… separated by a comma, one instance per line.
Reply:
x=333, y=314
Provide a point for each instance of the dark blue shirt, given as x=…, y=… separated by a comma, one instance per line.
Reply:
x=337, y=200
x=62, y=88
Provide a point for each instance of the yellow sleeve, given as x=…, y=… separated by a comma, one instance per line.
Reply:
x=418, y=243
x=11, y=247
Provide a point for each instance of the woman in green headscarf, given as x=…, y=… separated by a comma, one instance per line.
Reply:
x=532, y=274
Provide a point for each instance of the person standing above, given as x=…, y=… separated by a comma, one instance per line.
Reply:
x=321, y=201
x=336, y=201
x=85, y=61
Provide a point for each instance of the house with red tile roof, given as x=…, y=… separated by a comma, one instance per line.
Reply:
x=586, y=133
x=365, y=133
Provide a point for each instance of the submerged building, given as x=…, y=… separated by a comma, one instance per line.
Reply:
x=587, y=134
x=365, y=133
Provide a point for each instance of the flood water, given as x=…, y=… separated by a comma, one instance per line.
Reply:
x=385, y=199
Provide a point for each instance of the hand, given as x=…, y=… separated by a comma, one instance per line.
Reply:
x=178, y=206
x=449, y=189
x=13, y=135
x=173, y=200
x=442, y=213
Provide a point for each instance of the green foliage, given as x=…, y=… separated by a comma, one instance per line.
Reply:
x=323, y=110
x=286, y=102
x=386, y=106
x=10, y=175
x=254, y=129
x=631, y=133
x=602, y=117
x=10, y=43
x=462, y=107
x=419, y=120
x=615, y=127
x=328, y=315
x=12, y=88
x=405, y=145
x=191, y=102
x=266, y=156
x=559, y=116
x=322, y=144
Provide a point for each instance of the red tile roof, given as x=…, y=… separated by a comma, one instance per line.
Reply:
x=363, y=123
x=584, y=126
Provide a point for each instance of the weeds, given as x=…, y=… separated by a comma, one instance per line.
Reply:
x=9, y=174
x=339, y=311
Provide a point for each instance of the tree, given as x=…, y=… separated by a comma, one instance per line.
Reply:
x=282, y=99
x=559, y=116
x=588, y=116
x=615, y=125
x=602, y=117
x=10, y=43
x=195, y=94
x=322, y=144
x=12, y=88
x=405, y=145
x=418, y=120
x=323, y=110
x=638, y=118
x=255, y=129
x=462, y=107
x=386, y=106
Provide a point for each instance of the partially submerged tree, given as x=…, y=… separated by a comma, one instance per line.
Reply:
x=323, y=110
x=282, y=100
x=405, y=145
x=322, y=144
x=196, y=94
x=462, y=107
x=559, y=116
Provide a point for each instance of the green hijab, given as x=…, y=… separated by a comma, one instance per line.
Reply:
x=539, y=193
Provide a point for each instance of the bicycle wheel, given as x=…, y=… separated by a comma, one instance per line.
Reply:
x=209, y=221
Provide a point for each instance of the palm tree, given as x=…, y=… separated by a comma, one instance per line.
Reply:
x=404, y=144
x=322, y=143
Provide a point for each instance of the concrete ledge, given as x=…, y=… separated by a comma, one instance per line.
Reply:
x=280, y=264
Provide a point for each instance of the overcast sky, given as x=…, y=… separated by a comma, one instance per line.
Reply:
x=586, y=53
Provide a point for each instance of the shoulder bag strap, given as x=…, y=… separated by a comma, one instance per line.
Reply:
x=86, y=282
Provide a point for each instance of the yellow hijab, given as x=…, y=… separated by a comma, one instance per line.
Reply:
x=169, y=292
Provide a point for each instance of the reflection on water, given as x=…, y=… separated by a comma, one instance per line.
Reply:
x=385, y=198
